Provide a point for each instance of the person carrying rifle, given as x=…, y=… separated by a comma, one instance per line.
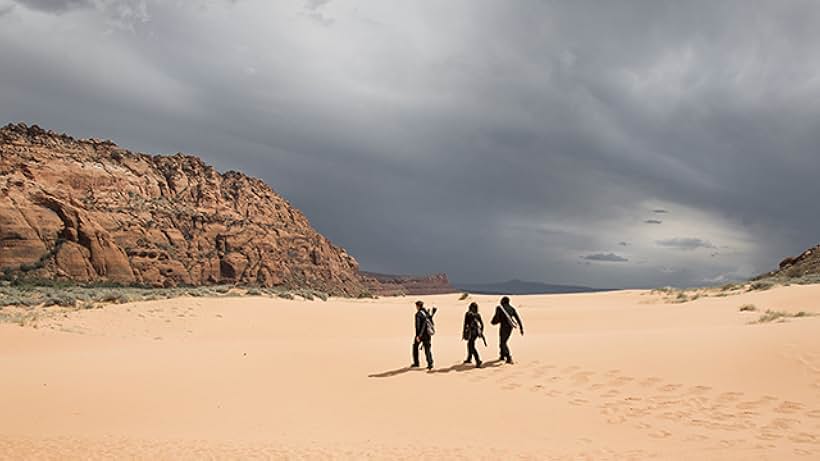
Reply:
x=473, y=329
x=507, y=319
x=425, y=330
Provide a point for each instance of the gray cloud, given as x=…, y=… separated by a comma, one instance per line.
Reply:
x=653, y=221
x=605, y=257
x=55, y=6
x=491, y=140
x=660, y=211
x=686, y=244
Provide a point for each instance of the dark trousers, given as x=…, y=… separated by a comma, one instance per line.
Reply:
x=428, y=352
x=503, y=336
x=472, y=351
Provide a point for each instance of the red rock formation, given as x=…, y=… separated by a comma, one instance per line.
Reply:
x=392, y=285
x=89, y=211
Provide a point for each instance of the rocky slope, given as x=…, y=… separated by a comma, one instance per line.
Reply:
x=393, y=285
x=807, y=264
x=90, y=211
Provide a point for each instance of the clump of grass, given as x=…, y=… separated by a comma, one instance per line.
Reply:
x=464, y=296
x=62, y=300
x=253, y=292
x=748, y=308
x=761, y=285
x=285, y=295
x=781, y=316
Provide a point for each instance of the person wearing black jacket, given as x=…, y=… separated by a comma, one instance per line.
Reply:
x=473, y=329
x=423, y=336
x=507, y=319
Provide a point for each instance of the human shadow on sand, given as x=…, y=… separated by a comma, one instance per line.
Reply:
x=457, y=368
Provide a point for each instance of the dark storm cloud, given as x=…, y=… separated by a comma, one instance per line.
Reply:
x=686, y=244
x=491, y=140
x=605, y=257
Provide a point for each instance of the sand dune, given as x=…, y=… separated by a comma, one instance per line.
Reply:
x=620, y=375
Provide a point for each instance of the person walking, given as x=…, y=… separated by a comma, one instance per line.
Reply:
x=506, y=317
x=424, y=333
x=472, y=330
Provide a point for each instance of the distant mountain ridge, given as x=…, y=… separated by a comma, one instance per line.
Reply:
x=522, y=287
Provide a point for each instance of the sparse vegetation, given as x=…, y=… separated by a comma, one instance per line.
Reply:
x=26, y=297
x=761, y=285
x=781, y=316
x=748, y=308
x=464, y=296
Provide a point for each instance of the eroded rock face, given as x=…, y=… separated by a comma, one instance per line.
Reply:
x=90, y=211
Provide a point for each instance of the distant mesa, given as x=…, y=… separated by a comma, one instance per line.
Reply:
x=521, y=287
x=396, y=285
x=89, y=211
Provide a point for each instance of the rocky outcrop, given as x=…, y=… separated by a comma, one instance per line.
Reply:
x=90, y=211
x=393, y=285
x=805, y=264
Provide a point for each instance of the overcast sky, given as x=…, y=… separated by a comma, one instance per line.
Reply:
x=610, y=144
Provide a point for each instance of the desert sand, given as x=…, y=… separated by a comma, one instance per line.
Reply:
x=617, y=375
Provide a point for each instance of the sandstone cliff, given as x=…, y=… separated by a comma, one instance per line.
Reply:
x=90, y=211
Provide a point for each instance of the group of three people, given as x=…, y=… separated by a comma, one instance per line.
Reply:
x=506, y=317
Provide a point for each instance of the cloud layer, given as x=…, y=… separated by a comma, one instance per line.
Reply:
x=491, y=140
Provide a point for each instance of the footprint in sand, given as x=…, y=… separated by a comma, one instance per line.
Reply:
x=813, y=414
x=789, y=407
x=781, y=424
x=661, y=434
x=569, y=370
x=650, y=382
x=803, y=437
x=578, y=402
x=581, y=378
x=696, y=438
x=766, y=435
x=698, y=390
x=730, y=396
x=620, y=381
x=671, y=387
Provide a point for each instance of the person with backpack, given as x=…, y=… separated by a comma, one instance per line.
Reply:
x=507, y=319
x=473, y=329
x=425, y=329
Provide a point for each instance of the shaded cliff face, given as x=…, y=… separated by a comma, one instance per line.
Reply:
x=393, y=285
x=90, y=211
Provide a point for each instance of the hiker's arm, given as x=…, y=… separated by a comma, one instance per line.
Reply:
x=419, y=325
x=481, y=322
